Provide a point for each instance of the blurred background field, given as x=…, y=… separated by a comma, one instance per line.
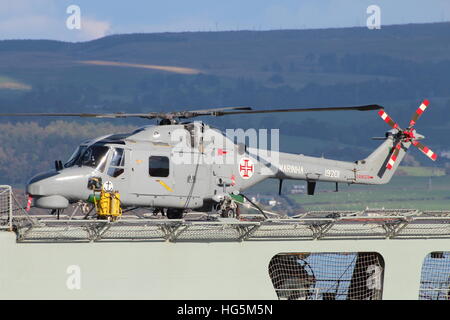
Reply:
x=419, y=192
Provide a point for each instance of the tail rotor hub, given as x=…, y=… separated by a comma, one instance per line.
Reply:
x=408, y=135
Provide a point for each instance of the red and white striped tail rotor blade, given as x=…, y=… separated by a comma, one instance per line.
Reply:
x=430, y=154
x=394, y=156
x=419, y=112
x=388, y=119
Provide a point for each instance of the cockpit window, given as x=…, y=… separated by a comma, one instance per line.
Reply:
x=117, y=163
x=118, y=160
x=75, y=156
x=95, y=157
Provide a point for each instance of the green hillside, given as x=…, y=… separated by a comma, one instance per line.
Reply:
x=405, y=192
x=397, y=67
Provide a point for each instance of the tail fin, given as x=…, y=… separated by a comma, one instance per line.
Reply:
x=373, y=169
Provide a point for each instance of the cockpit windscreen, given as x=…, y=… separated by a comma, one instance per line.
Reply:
x=93, y=156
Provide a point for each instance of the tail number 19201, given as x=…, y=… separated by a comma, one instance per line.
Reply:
x=332, y=173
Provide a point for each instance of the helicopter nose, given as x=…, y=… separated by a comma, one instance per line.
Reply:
x=36, y=185
x=40, y=189
x=54, y=190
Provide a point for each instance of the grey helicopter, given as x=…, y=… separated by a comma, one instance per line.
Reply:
x=180, y=165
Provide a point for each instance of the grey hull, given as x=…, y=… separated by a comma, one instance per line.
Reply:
x=165, y=270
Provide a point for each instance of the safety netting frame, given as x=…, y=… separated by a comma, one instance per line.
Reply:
x=327, y=275
x=435, y=276
x=6, y=207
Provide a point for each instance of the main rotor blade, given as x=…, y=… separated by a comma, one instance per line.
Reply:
x=419, y=112
x=83, y=115
x=219, y=109
x=358, y=108
x=394, y=156
x=388, y=119
x=150, y=115
x=430, y=154
x=202, y=112
x=189, y=114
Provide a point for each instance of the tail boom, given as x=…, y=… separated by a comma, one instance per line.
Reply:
x=371, y=170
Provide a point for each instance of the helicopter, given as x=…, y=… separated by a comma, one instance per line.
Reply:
x=180, y=165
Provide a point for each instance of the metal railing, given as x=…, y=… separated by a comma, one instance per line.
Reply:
x=314, y=225
x=306, y=228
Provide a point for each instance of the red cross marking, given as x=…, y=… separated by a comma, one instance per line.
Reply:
x=245, y=169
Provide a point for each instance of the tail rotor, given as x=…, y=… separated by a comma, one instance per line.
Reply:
x=407, y=135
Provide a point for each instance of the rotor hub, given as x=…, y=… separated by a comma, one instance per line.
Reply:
x=408, y=135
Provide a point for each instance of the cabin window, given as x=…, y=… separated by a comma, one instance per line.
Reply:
x=158, y=166
x=435, y=278
x=116, y=167
x=327, y=276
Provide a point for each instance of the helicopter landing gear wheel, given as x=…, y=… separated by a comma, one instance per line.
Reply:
x=174, y=213
x=228, y=213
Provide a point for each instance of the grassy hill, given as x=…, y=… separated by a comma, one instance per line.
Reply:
x=396, y=66
x=405, y=192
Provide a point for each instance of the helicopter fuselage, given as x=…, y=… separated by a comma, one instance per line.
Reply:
x=189, y=166
x=169, y=166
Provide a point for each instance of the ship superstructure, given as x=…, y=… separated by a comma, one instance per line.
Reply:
x=333, y=255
